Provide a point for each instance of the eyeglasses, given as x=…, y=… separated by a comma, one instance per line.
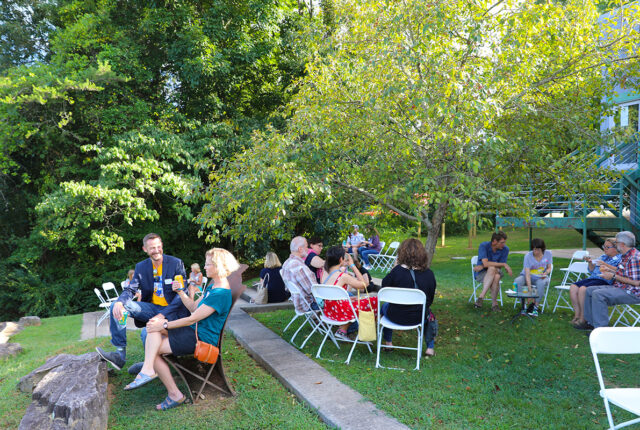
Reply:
x=608, y=247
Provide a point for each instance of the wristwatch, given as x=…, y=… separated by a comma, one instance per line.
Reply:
x=165, y=325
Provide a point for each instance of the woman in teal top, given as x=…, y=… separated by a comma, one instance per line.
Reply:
x=178, y=337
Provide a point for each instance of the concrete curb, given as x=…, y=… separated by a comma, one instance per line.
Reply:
x=337, y=404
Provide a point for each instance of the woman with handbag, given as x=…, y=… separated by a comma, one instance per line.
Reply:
x=336, y=263
x=411, y=271
x=271, y=280
x=179, y=337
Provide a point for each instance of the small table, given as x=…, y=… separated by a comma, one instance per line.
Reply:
x=522, y=297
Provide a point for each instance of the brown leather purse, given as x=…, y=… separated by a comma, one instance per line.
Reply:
x=205, y=352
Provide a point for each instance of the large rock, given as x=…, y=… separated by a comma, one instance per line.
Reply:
x=9, y=329
x=29, y=321
x=69, y=392
x=9, y=349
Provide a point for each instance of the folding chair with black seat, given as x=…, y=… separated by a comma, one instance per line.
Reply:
x=617, y=340
x=334, y=292
x=475, y=284
x=401, y=296
x=198, y=370
x=104, y=305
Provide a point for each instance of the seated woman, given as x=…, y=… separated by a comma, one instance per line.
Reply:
x=270, y=275
x=354, y=241
x=178, y=337
x=610, y=260
x=195, y=280
x=411, y=271
x=336, y=262
x=537, y=265
x=371, y=247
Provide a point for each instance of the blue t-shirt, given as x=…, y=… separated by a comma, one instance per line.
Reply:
x=613, y=261
x=485, y=251
x=209, y=328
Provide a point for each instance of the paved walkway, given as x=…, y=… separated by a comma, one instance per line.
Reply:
x=567, y=253
x=305, y=378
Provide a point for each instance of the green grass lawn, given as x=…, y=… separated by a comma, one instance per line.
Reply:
x=261, y=401
x=487, y=373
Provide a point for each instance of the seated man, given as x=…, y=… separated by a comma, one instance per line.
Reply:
x=577, y=291
x=153, y=280
x=492, y=258
x=294, y=270
x=625, y=288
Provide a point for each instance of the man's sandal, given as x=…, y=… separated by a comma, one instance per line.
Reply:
x=140, y=380
x=169, y=403
x=478, y=303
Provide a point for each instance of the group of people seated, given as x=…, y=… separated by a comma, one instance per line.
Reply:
x=171, y=318
x=342, y=269
x=614, y=277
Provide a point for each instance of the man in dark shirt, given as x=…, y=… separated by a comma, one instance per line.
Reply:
x=492, y=258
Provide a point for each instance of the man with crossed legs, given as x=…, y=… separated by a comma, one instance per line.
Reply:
x=492, y=258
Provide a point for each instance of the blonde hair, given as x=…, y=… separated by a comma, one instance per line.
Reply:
x=272, y=261
x=130, y=273
x=224, y=261
x=195, y=267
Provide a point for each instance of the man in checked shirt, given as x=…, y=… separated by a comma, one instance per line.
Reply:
x=625, y=288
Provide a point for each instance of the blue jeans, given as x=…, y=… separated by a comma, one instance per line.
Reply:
x=141, y=311
x=364, y=254
x=387, y=333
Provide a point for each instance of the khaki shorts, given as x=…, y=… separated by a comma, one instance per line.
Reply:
x=480, y=275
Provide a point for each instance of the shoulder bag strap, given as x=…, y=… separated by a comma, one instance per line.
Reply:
x=413, y=275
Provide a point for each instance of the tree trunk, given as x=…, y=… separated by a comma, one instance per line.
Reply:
x=433, y=232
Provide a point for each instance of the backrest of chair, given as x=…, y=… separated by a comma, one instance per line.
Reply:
x=393, y=248
x=382, y=244
x=122, y=284
x=108, y=286
x=579, y=255
x=615, y=340
x=579, y=267
x=402, y=296
x=329, y=292
x=292, y=287
x=204, y=282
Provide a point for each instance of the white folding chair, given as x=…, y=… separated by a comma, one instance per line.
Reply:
x=572, y=274
x=628, y=317
x=310, y=317
x=201, y=288
x=104, y=305
x=475, y=284
x=401, y=296
x=617, y=340
x=546, y=293
x=334, y=292
x=384, y=261
x=122, y=285
x=577, y=256
x=108, y=286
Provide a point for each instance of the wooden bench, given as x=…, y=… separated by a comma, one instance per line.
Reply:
x=204, y=373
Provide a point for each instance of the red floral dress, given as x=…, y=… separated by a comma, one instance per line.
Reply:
x=340, y=310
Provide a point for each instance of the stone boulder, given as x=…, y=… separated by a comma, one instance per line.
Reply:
x=9, y=349
x=29, y=321
x=69, y=392
x=9, y=329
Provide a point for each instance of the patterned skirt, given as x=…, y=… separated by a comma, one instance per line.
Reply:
x=340, y=310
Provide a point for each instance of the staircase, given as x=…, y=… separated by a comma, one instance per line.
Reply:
x=596, y=217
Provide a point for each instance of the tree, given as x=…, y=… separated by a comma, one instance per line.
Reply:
x=429, y=108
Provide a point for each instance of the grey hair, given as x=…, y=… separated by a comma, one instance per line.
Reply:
x=627, y=238
x=297, y=242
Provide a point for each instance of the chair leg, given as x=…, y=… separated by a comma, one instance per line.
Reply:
x=322, y=344
x=291, y=322
x=420, y=340
x=378, y=346
x=179, y=372
x=315, y=326
x=298, y=331
x=355, y=342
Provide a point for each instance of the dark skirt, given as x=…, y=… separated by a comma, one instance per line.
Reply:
x=182, y=341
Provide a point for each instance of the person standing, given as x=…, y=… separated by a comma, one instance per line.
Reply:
x=153, y=279
x=492, y=258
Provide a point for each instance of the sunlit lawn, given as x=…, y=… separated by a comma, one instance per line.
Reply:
x=488, y=373
x=261, y=402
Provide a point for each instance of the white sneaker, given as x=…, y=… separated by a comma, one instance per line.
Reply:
x=342, y=336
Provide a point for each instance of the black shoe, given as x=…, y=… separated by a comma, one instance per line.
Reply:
x=113, y=358
x=134, y=369
x=583, y=326
x=530, y=308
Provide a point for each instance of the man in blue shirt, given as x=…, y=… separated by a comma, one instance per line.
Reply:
x=492, y=258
